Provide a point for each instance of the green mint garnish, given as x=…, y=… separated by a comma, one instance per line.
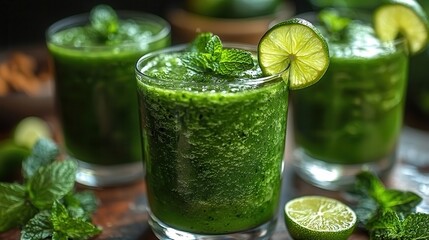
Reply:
x=45, y=205
x=43, y=153
x=104, y=20
x=334, y=23
x=388, y=213
x=207, y=54
x=390, y=226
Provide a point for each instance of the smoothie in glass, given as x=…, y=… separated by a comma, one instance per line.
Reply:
x=213, y=147
x=352, y=118
x=96, y=91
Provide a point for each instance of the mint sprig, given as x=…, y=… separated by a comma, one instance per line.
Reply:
x=45, y=205
x=388, y=213
x=207, y=54
x=390, y=226
x=104, y=21
x=335, y=24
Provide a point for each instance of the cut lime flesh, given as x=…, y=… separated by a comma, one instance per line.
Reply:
x=402, y=18
x=317, y=217
x=296, y=50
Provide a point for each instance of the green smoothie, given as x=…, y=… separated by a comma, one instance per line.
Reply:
x=213, y=145
x=96, y=87
x=353, y=115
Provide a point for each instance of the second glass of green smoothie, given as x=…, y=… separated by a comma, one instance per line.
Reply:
x=94, y=57
x=351, y=119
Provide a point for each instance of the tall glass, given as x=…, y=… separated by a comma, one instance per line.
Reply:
x=213, y=150
x=351, y=119
x=96, y=96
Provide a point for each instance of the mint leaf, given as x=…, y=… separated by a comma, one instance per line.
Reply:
x=390, y=226
x=388, y=213
x=234, y=61
x=38, y=228
x=418, y=226
x=196, y=61
x=206, y=54
x=403, y=202
x=373, y=198
x=199, y=44
x=104, y=20
x=45, y=151
x=334, y=23
x=81, y=204
x=15, y=210
x=368, y=183
x=214, y=47
x=47, y=183
x=74, y=228
x=52, y=182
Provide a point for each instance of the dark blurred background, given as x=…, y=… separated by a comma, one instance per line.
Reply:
x=24, y=22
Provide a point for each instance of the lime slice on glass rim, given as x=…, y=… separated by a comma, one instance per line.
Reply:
x=296, y=49
x=318, y=217
x=402, y=18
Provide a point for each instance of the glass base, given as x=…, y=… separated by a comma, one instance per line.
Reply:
x=163, y=231
x=414, y=170
x=331, y=176
x=105, y=176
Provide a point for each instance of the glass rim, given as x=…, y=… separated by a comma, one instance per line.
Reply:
x=82, y=18
x=181, y=47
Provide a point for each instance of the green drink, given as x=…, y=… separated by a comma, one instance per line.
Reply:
x=351, y=120
x=213, y=147
x=96, y=91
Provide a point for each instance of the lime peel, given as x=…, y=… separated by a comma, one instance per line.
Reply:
x=296, y=50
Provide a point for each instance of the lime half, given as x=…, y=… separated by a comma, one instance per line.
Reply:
x=297, y=50
x=317, y=217
x=402, y=18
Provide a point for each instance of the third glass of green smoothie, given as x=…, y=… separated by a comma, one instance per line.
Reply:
x=213, y=147
x=351, y=119
x=94, y=57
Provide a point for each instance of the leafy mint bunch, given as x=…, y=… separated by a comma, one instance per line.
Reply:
x=388, y=213
x=45, y=204
x=207, y=54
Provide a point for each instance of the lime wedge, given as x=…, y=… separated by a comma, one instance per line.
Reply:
x=29, y=130
x=297, y=50
x=317, y=217
x=402, y=18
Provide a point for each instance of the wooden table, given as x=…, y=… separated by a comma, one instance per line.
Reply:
x=122, y=213
x=123, y=216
